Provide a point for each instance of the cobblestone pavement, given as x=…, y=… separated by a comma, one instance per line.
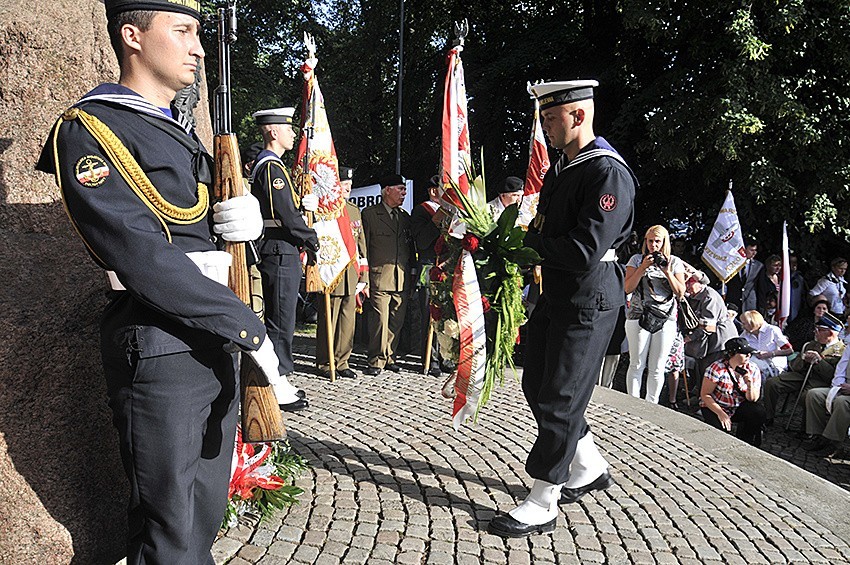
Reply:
x=391, y=482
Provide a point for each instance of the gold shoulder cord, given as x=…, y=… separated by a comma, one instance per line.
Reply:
x=135, y=177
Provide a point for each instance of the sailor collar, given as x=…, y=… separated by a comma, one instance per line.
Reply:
x=123, y=96
x=264, y=157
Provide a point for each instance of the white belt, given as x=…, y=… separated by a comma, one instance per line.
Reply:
x=272, y=223
x=610, y=255
x=214, y=265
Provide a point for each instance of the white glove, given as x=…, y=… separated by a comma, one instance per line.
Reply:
x=267, y=360
x=310, y=202
x=359, y=288
x=238, y=218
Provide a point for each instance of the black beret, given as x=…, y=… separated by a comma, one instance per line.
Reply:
x=436, y=180
x=346, y=173
x=512, y=184
x=391, y=180
x=188, y=7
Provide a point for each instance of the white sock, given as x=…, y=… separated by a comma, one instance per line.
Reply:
x=283, y=390
x=540, y=506
x=587, y=464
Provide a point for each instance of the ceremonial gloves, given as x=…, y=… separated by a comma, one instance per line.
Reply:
x=310, y=202
x=267, y=360
x=238, y=218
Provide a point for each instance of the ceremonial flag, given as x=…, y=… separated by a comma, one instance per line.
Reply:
x=538, y=164
x=456, y=148
x=783, y=308
x=724, y=252
x=317, y=171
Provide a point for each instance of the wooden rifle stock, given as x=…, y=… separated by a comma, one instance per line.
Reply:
x=261, y=417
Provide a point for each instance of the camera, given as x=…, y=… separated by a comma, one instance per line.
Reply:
x=659, y=260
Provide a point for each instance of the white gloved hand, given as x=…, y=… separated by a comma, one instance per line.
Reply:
x=238, y=218
x=359, y=288
x=266, y=360
x=310, y=202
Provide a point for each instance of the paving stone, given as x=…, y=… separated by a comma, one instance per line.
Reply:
x=224, y=548
x=251, y=553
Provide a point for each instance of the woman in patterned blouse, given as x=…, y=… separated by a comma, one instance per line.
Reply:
x=730, y=389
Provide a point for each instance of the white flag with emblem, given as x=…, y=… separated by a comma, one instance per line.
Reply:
x=724, y=252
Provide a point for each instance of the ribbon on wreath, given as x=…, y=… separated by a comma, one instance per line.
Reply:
x=473, y=340
x=248, y=471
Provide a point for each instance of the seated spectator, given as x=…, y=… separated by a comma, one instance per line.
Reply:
x=768, y=282
x=828, y=412
x=833, y=286
x=817, y=358
x=771, y=346
x=730, y=390
x=802, y=329
x=705, y=343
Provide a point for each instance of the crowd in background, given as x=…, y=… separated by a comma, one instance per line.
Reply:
x=742, y=358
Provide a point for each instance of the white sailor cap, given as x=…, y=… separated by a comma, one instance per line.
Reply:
x=550, y=94
x=274, y=116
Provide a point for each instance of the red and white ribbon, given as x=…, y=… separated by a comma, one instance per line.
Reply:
x=473, y=340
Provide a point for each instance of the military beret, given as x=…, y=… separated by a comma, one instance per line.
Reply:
x=512, y=184
x=188, y=7
x=346, y=173
x=391, y=180
x=436, y=180
x=550, y=94
x=274, y=116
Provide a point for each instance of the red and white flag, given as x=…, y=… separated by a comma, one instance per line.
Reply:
x=538, y=164
x=316, y=171
x=783, y=309
x=456, y=148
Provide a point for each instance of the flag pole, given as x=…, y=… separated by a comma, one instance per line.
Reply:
x=400, y=87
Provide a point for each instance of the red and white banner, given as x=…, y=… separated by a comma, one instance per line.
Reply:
x=473, y=340
x=538, y=164
x=783, y=308
x=456, y=148
x=316, y=156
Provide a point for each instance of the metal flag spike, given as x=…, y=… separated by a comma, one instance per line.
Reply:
x=310, y=44
x=461, y=29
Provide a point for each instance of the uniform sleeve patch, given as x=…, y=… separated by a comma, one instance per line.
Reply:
x=91, y=171
x=278, y=183
x=608, y=202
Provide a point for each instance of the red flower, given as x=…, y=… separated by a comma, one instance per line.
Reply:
x=440, y=245
x=436, y=312
x=485, y=302
x=436, y=274
x=470, y=243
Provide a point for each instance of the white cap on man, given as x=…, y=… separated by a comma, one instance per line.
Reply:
x=555, y=93
x=274, y=116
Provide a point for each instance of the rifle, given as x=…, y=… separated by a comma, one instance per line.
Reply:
x=261, y=417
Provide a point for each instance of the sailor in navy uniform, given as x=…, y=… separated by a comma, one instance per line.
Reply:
x=585, y=213
x=286, y=235
x=135, y=181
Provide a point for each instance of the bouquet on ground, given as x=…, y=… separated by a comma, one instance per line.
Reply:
x=476, y=295
x=262, y=479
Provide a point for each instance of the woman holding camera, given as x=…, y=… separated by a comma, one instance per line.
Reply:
x=730, y=391
x=656, y=279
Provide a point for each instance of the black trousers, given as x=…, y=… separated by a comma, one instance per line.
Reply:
x=749, y=416
x=176, y=419
x=566, y=346
x=281, y=276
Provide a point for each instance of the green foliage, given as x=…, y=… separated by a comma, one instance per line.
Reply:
x=693, y=94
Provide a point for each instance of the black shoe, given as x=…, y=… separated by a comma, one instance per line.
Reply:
x=301, y=394
x=393, y=367
x=602, y=482
x=300, y=404
x=434, y=371
x=372, y=371
x=818, y=444
x=447, y=366
x=507, y=526
x=347, y=374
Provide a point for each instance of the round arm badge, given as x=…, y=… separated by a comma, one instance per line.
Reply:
x=608, y=202
x=91, y=171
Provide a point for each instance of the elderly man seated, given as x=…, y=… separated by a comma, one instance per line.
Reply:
x=828, y=412
x=818, y=359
